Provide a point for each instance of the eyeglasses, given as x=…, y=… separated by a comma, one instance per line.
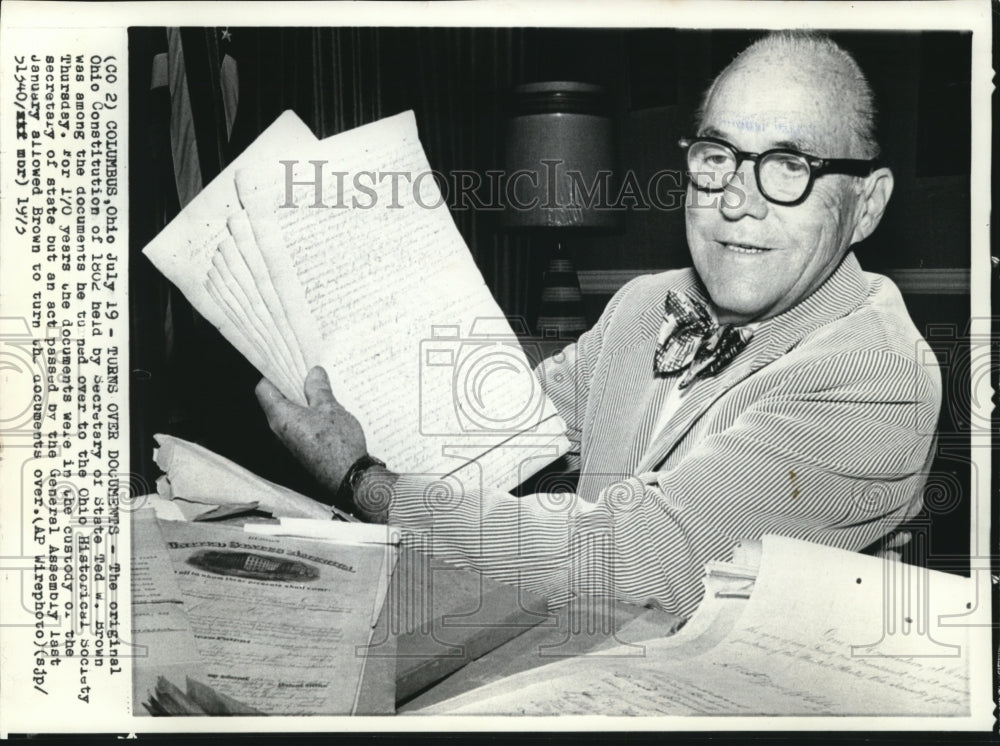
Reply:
x=784, y=176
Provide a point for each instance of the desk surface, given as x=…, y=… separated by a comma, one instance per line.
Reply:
x=445, y=630
x=585, y=626
x=437, y=618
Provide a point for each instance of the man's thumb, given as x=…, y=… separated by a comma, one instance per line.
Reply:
x=271, y=400
x=317, y=389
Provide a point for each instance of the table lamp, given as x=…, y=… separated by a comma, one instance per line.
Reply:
x=560, y=159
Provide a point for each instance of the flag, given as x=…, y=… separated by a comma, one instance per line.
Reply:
x=202, y=78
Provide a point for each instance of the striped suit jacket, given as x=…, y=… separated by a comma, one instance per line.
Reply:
x=820, y=429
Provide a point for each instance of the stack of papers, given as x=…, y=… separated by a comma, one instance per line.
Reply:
x=274, y=622
x=813, y=630
x=367, y=276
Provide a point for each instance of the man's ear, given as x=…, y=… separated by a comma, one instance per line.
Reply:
x=872, y=202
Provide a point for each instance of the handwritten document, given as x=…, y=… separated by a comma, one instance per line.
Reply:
x=824, y=632
x=390, y=302
x=358, y=266
x=184, y=250
x=280, y=624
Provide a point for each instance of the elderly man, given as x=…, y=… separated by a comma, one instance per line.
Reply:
x=773, y=388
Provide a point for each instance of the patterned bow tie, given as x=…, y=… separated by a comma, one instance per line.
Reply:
x=690, y=338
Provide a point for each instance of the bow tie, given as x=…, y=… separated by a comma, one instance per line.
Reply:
x=690, y=338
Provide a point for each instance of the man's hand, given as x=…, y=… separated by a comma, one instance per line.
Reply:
x=324, y=436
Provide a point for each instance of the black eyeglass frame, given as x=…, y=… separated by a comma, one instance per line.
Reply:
x=817, y=166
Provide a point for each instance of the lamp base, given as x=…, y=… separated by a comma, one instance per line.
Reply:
x=561, y=314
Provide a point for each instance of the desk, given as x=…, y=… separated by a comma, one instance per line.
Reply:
x=448, y=630
x=563, y=636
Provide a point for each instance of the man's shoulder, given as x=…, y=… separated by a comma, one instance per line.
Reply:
x=880, y=321
x=878, y=336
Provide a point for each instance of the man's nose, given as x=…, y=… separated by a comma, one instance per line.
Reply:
x=742, y=195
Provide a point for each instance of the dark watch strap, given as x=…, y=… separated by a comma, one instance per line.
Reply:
x=345, y=493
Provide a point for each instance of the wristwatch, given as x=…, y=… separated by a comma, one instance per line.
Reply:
x=345, y=493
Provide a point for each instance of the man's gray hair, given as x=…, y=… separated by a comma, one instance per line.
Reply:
x=817, y=46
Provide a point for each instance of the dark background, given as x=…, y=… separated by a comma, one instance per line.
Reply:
x=188, y=381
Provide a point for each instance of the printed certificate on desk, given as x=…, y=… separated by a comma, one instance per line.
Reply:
x=117, y=118
x=238, y=591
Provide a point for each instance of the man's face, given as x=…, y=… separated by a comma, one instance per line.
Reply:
x=757, y=258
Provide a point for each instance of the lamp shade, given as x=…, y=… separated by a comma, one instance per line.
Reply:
x=559, y=157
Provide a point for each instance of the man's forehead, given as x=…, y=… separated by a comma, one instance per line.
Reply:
x=779, y=131
x=781, y=104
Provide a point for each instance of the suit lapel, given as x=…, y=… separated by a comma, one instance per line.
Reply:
x=841, y=294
